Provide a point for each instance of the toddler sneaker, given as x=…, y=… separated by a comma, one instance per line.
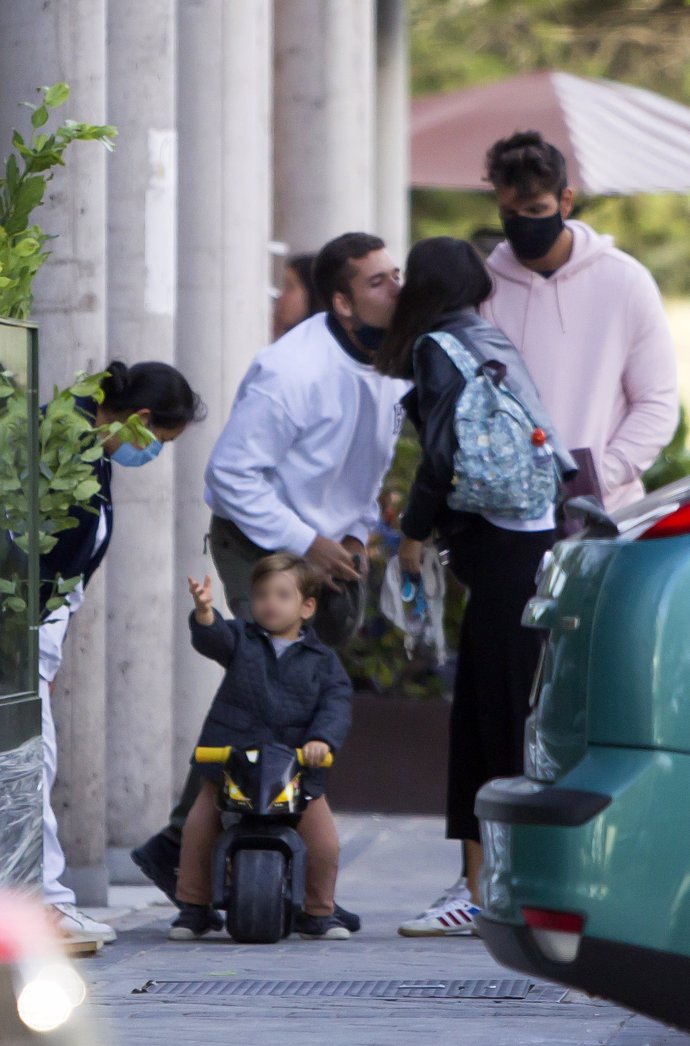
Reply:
x=350, y=920
x=72, y=921
x=194, y=921
x=321, y=928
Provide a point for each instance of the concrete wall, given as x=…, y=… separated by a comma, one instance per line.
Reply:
x=324, y=122
x=224, y=305
x=239, y=123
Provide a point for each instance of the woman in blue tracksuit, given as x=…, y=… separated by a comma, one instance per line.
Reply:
x=165, y=403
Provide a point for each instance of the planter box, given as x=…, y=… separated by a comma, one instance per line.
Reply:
x=395, y=759
x=21, y=744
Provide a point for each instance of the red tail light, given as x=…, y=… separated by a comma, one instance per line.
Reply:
x=670, y=526
x=557, y=935
x=543, y=919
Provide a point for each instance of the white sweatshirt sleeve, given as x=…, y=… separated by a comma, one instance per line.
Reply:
x=364, y=526
x=651, y=388
x=258, y=434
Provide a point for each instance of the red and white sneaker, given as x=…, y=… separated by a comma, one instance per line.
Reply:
x=455, y=918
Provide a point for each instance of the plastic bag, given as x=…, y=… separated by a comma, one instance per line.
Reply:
x=420, y=614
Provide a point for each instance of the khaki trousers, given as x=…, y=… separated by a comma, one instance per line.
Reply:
x=203, y=826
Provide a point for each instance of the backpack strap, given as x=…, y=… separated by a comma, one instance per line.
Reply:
x=456, y=351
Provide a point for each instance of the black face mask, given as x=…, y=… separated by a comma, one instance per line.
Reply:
x=370, y=337
x=532, y=238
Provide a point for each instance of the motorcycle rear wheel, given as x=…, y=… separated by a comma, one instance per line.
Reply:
x=256, y=904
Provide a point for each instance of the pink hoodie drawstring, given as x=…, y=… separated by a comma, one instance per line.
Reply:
x=525, y=313
x=558, y=303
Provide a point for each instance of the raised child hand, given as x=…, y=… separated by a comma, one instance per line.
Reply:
x=203, y=599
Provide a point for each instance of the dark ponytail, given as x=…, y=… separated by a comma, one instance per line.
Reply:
x=157, y=386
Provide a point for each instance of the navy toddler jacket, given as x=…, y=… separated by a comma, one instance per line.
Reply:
x=304, y=695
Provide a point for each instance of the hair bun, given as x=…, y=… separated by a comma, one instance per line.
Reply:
x=117, y=381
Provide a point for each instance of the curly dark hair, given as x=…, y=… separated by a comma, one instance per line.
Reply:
x=526, y=163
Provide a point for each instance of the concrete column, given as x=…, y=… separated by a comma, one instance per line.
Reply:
x=324, y=120
x=43, y=41
x=142, y=222
x=224, y=121
x=392, y=135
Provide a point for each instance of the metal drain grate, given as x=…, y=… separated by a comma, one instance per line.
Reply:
x=499, y=988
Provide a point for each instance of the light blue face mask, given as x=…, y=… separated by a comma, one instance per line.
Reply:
x=130, y=456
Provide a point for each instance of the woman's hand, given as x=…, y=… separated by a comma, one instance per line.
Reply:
x=314, y=752
x=410, y=555
x=203, y=600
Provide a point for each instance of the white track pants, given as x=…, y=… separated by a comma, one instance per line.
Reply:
x=50, y=638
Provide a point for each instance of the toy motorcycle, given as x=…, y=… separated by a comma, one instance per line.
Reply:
x=259, y=860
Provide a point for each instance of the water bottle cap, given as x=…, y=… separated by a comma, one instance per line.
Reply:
x=538, y=438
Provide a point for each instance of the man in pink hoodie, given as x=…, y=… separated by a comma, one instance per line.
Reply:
x=587, y=318
x=589, y=323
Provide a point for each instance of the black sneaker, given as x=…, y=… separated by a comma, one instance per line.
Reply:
x=350, y=920
x=194, y=921
x=320, y=928
x=158, y=859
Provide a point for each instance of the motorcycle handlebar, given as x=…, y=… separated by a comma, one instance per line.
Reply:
x=203, y=754
x=325, y=762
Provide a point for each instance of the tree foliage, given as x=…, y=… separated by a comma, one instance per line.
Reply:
x=455, y=43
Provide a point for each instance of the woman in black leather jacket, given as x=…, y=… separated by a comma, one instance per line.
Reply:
x=496, y=559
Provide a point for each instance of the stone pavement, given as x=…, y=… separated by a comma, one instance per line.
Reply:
x=391, y=867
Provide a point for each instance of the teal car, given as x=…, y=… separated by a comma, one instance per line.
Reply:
x=586, y=876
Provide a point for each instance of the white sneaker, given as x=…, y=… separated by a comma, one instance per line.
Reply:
x=459, y=891
x=453, y=919
x=79, y=924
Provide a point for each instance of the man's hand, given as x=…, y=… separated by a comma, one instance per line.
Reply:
x=355, y=547
x=410, y=555
x=203, y=600
x=314, y=752
x=331, y=560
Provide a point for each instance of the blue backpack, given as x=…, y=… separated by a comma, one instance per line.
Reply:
x=502, y=464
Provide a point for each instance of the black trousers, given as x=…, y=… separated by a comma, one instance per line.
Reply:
x=497, y=658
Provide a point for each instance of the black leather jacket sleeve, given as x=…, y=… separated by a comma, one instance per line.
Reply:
x=438, y=383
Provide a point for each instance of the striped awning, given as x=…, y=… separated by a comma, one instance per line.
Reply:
x=617, y=139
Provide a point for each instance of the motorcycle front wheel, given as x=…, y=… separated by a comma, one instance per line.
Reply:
x=256, y=905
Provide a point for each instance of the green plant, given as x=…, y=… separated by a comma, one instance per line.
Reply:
x=673, y=462
x=22, y=188
x=69, y=446
x=69, y=443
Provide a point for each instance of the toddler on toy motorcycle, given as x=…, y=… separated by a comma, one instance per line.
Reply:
x=281, y=685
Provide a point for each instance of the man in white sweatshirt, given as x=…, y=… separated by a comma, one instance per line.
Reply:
x=300, y=462
x=312, y=431
x=587, y=318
